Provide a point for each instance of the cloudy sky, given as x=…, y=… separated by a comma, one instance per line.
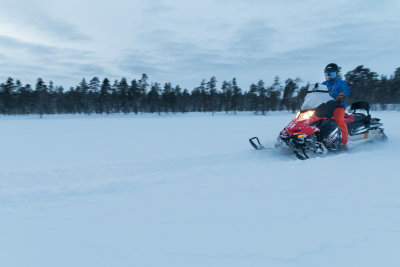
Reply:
x=184, y=41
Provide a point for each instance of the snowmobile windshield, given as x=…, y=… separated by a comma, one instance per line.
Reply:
x=316, y=97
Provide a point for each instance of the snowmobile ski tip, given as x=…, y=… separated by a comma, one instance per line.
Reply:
x=257, y=145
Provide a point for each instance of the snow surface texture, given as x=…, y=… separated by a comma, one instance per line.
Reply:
x=188, y=190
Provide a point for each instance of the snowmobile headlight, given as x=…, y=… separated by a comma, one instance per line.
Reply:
x=300, y=136
x=306, y=115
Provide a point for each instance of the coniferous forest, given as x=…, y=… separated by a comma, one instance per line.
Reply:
x=139, y=96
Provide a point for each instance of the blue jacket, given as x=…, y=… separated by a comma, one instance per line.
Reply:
x=337, y=86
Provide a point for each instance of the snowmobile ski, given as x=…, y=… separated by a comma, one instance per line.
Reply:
x=300, y=154
x=255, y=142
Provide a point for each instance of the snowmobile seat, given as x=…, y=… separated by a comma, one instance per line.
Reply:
x=364, y=105
x=360, y=121
x=360, y=117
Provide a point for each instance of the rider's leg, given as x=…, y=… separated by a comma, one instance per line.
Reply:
x=338, y=117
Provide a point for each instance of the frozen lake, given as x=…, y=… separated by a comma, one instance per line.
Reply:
x=188, y=190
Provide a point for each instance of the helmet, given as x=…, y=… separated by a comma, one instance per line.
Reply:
x=331, y=71
x=332, y=67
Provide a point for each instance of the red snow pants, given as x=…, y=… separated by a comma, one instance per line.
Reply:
x=338, y=117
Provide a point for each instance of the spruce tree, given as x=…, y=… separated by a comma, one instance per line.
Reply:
x=9, y=89
x=236, y=96
x=153, y=98
x=103, y=103
x=205, y=96
x=289, y=90
x=213, y=95
x=395, y=87
x=196, y=100
x=362, y=83
x=262, y=97
x=41, y=95
x=135, y=96
x=184, y=99
x=94, y=85
x=123, y=90
x=143, y=86
x=276, y=94
x=227, y=93
x=167, y=98
x=252, y=98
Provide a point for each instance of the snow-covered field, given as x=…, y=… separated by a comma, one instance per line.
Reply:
x=188, y=190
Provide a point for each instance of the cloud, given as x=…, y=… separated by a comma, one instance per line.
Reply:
x=68, y=75
x=37, y=17
x=29, y=61
x=43, y=52
x=184, y=42
x=34, y=49
x=166, y=52
x=135, y=63
x=91, y=69
x=172, y=56
x=245, y=51
x=252, y=41
x=26, y=73
x=157, y=7
x=355, y=36
x=57, y=28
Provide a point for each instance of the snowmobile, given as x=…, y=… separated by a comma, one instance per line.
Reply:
x=314, y=132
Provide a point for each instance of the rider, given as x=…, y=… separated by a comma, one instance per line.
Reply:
x=339, y=90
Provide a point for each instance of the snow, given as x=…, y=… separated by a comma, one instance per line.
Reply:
x=188, y=190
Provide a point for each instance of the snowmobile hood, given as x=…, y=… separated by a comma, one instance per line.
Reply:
x=315, y=97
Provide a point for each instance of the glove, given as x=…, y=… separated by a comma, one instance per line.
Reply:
x=340, y=98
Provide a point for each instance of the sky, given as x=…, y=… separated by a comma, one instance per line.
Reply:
x=184, y=42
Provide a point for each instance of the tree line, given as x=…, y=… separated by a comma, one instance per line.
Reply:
x=140, y=96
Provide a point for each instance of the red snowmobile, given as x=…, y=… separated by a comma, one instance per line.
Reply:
x=314, y=131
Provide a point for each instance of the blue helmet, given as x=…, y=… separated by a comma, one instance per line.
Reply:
x=331, y=71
